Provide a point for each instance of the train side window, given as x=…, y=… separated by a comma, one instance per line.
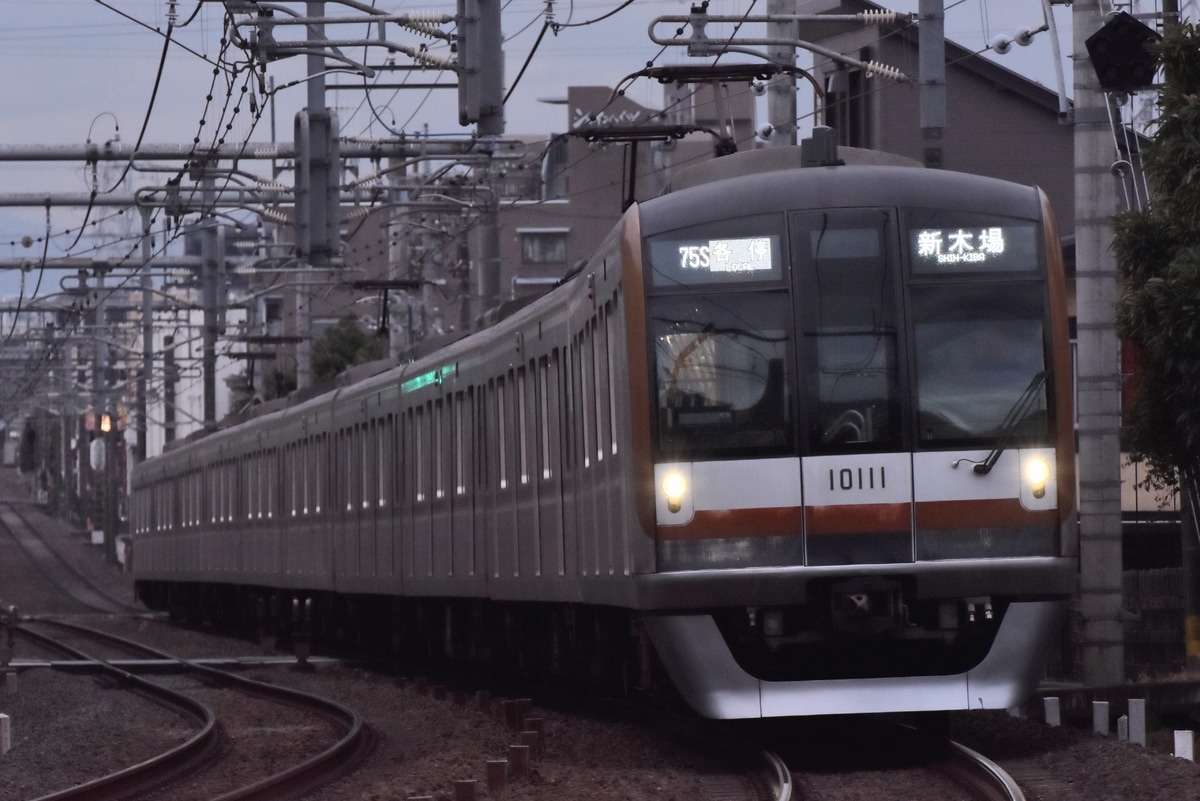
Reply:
x=439, y=448
x=253, y=486
x=272, y=481
x=612, y=320
x=460, y=415
x=483, y=437
x=418, y=462
x=384, y=457
x=258, y=481
x=603, y=393
x=341, y=479
x=353, y=461
x=501, y=433
x=570, y=404
x=587, y=392
x=372, y=498
x=543, y=402
x=265, y=479
x=522, y=411
x=301, y=469
x=318, y=487
x=307, y=454
x=369, y=480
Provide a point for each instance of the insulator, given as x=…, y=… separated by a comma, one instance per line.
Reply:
x=879, y=17
x=884, y=71
x=428, y=23
x=375, y=179
x=423, y=28
x=432, y=60
x=273, y=215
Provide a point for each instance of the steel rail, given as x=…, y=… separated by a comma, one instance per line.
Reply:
x=350, y=746
x=156, y=768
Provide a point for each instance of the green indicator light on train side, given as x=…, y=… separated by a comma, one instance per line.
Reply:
x=425, y=379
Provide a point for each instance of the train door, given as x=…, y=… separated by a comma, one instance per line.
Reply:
x=464, y=557
x=368, y=527
x=549, y=466
x=385, y=457
x=528, y=542
x=441, y=495
x=422, y=470
x=856, y=471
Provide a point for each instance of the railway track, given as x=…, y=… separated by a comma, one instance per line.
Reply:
x=77, y=593
x=241, y=725
x=837, y=759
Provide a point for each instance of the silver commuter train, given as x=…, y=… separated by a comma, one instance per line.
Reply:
x=803, y=434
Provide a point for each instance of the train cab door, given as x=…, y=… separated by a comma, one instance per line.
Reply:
x=856, y=472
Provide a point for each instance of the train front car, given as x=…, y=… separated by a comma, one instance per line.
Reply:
x=861, y=440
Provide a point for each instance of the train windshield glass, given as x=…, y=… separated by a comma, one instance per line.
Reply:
x=846, y=285
x=725, y=252
x=721, y=374
x=979, y=354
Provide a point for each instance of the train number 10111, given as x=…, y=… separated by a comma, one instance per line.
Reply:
x=860, y=478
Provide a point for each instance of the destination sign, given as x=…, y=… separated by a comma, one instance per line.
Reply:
x=727, y=255
x=1004, y=248
x=699, y=261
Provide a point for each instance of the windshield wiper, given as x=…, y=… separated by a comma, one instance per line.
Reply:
x=1019, y=411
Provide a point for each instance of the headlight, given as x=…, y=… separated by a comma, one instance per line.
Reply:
x=1037, y=471
x=674, y=487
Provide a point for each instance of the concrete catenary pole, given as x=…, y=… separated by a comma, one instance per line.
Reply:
x=210, y=290
x=1098, y=374
x=146, y=283
x=314, y=172
x=932, y=39
x=781, y=91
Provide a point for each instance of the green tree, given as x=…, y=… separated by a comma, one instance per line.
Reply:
x=344, y=345
x=1158, y=252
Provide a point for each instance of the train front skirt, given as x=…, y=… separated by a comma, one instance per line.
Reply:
x=704, y=671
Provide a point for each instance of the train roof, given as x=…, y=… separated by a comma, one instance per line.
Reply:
x=763, y=189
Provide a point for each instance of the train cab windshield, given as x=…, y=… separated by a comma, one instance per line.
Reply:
x=721, y=332
x=978, y=328
x=915, y=329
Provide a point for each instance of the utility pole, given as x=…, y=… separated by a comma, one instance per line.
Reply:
x=481, y=100
x=781, y=90
x=1099, y=374
x=317, y=219
x=210, y=288
x=146, y=283
x=932, y=40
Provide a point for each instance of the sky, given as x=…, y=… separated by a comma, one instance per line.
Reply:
x=78, y=71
